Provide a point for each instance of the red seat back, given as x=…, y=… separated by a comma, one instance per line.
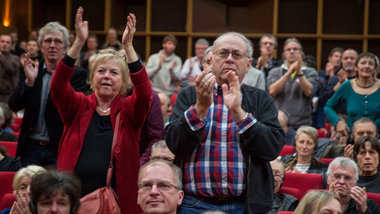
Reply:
x=7, y=201
x=375, y=197
x=11, y=147
x=291, y=191
x=6, y=179
x=286, y=150
x=303, y=182
x=326, y=160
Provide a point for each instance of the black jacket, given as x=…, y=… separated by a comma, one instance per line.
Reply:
x=261, y=143
x=29, y=98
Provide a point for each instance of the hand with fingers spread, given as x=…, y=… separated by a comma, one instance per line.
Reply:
x=127, y=40
x=341, y=127
x=204, y=85
x=349, y=151
x=30, y=69
x=358, y=194
x=20, y=206
x=232, y=96
x=81, y=29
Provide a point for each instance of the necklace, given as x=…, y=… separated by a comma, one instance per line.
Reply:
x=369, y=86
x=104, y=111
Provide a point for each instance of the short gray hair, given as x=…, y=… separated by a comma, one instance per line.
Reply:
x=202, y=41
x=177, y=172
x=159, y=144
x=343, y=162
x=54, y=27
x=270, y=36
x=292, y=39
x=208, y=50
x=247, y=42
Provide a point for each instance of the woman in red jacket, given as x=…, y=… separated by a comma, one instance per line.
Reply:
x=89, y=121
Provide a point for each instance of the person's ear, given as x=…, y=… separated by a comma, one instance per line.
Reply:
x=180, y=197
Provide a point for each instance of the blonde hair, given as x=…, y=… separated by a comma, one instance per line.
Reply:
x=313, y=201
x=110, y=54
x=310, y=131
x=30, y=171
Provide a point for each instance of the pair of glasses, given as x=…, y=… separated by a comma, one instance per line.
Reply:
x=345, y=177
x=224, y=53
x=50, y=40
x=161, y=186
x=294, y=49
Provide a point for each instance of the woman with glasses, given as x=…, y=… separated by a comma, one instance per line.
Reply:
x=89, y=121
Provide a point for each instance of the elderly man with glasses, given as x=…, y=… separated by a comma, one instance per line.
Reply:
x=224, y=134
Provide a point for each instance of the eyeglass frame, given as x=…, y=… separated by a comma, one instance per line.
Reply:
x=148, y=188
x=233, y=52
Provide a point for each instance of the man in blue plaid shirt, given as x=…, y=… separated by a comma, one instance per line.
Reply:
x=224, y=134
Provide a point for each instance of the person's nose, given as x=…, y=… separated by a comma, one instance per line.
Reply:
x=154, y=190
x=28, y=190
x=54, y=208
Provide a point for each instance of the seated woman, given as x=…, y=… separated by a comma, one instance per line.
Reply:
x=21, y=188
x=319, y=202
x=90, y=121
x=306, y=139
x=54, y=192
x=366, y=154
x=8, y=163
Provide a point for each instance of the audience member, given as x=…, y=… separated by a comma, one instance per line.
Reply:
x=367, y=151
x=32, y=49
x=92, y=48
x=219, y=122
x=34, y=34
x=54, y=192
x=167, y=194
x=111, y=40
x=9, y=68
x=319, y=202
x=306, y=139
x=342, y=177
x=206, y=60
x=41, y=127
x=282, y=201
x=15, y=47
x=8, y=163
x=21, y=188
x=292, y=85
x=283, y=118
x=191, y=67
x=266, y=61
x=85, y=147
x=8, y=117
x=161, y=151
x=164, y=67
x=346, y=72
x=360, y=95
x=5, y=136
x=332, y=66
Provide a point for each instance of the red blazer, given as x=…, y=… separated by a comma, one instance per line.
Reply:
x=76, y=111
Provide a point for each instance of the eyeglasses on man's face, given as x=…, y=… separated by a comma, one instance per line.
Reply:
x=224, y=53
x=161, y=186
x=292, y=49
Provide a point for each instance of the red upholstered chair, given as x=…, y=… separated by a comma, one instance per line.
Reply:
x=285, y=212
x=286, y=150
x=291, y=191
x=375, y=197
x=6, y=179
x=7, y=201
x=11, y=147
x=326, y=160
x=303, y=182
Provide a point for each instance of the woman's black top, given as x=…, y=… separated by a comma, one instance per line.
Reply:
x=95, y=155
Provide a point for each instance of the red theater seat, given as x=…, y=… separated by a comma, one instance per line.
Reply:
x=11, y=147
x=375, y=197
x=326, y=160
x=286, y=150
x=291, y=191
x=7, y=201
x=303, y=182
x=285, y=212
x=6, y=179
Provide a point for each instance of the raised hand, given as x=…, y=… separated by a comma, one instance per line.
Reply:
x=232, y=96
x=31, y=71
x=359, y=195
x=81, y=29
x=127, y=40
x=204, y=84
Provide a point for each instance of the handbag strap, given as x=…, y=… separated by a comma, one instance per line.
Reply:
x=115, y=132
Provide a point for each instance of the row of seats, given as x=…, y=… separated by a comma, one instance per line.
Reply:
x=10, y=146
